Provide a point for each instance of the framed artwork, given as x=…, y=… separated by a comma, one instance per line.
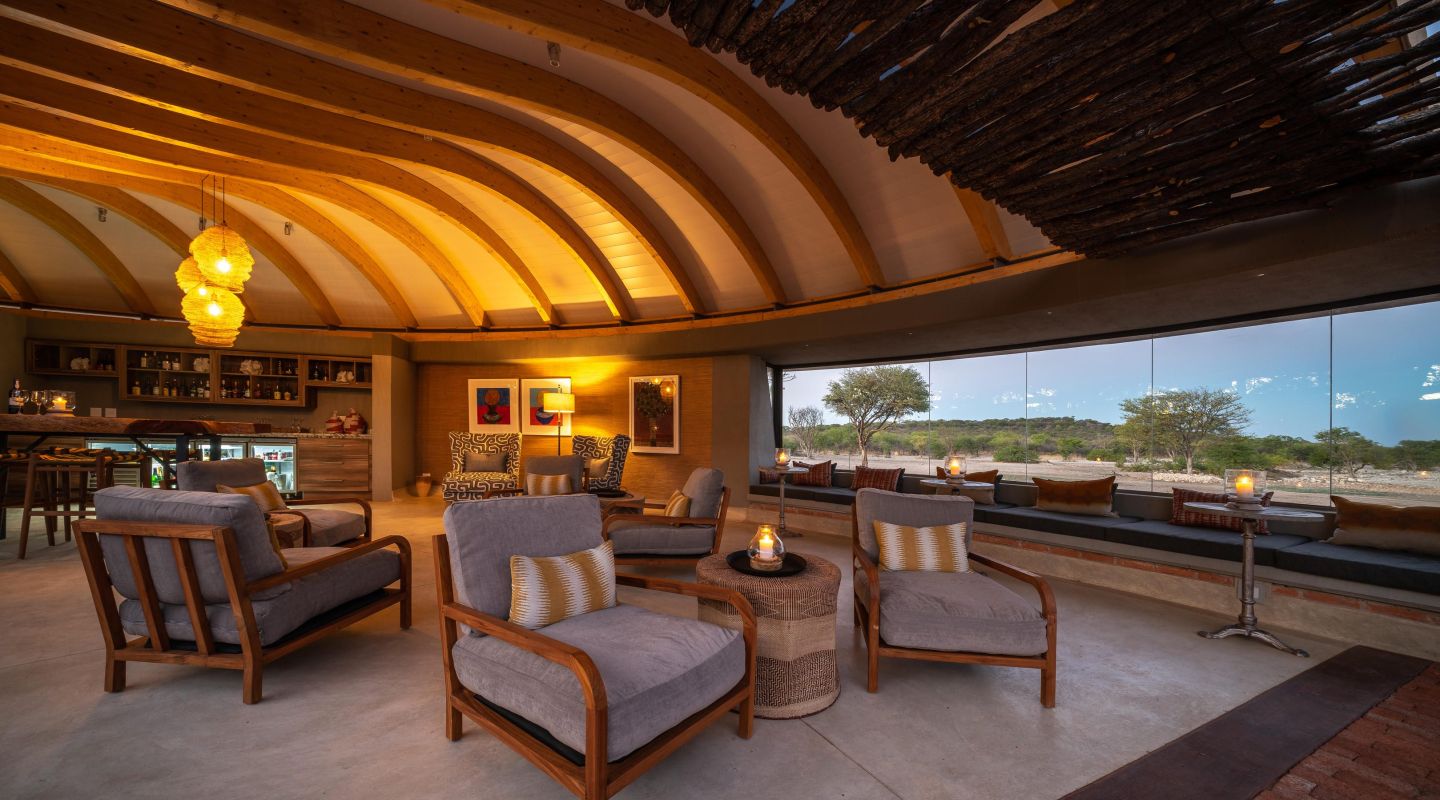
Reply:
x=655, y=414
x=492, y=405
x=533, y=418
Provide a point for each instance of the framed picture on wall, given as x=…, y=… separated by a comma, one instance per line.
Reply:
x=492, y=405
x=655, y=414
x=534, y=419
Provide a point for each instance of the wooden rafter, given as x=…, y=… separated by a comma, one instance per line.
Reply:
x=194, y=44
x=178, y=186
x=14, y=283
x=57, y=219
x=985, y=219
x=608, y=30
x=119, y=143
x=341, y=30
x=104, y=70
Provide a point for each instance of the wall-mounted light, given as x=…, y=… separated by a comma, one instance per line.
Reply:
x=101, y=213
x=553, y=48
x=289, y=227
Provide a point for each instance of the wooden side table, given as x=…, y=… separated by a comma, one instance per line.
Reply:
x=795, y=670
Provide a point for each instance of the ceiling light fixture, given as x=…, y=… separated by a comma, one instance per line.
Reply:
x=214, y=275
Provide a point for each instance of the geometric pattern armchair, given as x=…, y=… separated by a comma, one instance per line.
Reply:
x=959, y=617
x=615, y=448
x=462, y=485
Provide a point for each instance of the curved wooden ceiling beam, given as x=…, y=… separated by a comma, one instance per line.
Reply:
x=46, y=211
x=614, y=33
x=121, y=143
x=351, y=33
x=103, y=70
x=178, y=186
x=13, y=283
x=186, y=42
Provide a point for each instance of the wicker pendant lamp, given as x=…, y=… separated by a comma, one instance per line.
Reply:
x=220, y=263
x=223, y=257
x=215, y=315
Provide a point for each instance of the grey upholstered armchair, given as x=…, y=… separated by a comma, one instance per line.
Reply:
x=572, y=467
x=964, y=617
x=595, y=699
x=614, y=449
x=310, y=527
x=481, y=462
x=204, y=585
x=654, y=538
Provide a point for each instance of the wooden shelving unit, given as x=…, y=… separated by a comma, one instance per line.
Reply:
x=192, y=375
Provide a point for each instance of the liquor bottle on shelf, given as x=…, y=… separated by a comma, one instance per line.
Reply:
x=155, y=388
x=247, y=390
x=135, y=387
x=144, y=361
x=17, y=397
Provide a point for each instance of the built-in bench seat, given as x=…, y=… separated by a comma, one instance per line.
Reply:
x=1143, y=520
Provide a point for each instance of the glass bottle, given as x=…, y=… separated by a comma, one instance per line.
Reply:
x=17, y=397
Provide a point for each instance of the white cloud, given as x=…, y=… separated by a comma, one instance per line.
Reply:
x=1433, y=376
x=1345, y=400
x=1044, y=392
x=1255, y=383
x=1430, y=396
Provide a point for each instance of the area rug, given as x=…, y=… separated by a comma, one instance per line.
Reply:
x=1245, y=751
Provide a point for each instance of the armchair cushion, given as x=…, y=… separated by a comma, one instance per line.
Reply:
x=547, y=485
x=704, y=487
x=929, y=548
x=633, y=538
x=264, y=494
x=908, y=509
x=204, y=476
x=476, y=461
x=281, y=614
x=657, y=669
x=549, y=589
x=331, y=526
x=571, y=466
x=678, y=505
x=955, y=611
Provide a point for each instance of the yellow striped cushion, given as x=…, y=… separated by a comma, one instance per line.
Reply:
x=938, y=548
x=547, y=589
x=264, y=494
x=546, y=485
x=677, y=506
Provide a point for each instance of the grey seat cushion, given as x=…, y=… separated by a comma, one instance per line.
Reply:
x=657, y=669
x=204, y=476
x=635, y=538
x=1393, y=568
x=1081, y=525
x=955, y=611
x=331, y=526
x=985, y=513
x=1206, y=542
x=279, y=615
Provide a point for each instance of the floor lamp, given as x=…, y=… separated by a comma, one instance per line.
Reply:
x=561, y=404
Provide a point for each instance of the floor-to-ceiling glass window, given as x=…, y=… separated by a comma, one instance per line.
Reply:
x=978, y=412
x=1087, y=411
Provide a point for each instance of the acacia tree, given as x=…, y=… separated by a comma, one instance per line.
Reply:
x=804, y=424
x=874, y=398
x=1348, y=450
x=1185, y=420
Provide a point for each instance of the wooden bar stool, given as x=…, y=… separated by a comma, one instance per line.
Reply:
x=60, y=484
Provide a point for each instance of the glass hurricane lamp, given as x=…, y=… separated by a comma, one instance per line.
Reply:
x=767, y=552
x=1244, y=487
x=955, y=468
x=782, y=457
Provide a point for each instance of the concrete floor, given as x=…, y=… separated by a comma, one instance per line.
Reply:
x=358, y=715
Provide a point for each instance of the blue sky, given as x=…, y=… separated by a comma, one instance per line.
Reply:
x=1386, y=377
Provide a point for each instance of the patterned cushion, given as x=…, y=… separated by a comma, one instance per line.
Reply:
x=1415, y=529
x=819, y=474
x=1089, y=498
x=934, y=548
x=547, y=485
x=547, y=589
x=264, y=494
x=678, y=505
x=1180, y=515
x=887, y=480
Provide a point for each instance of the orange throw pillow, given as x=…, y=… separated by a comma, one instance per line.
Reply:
x=264, y=494
x=1415, y=529
x=1088, y=498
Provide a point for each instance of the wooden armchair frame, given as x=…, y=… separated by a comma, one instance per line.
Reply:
x=334, y=501
x=156, y=648
x=597, y=778
x=867, y=618
x=652, y=519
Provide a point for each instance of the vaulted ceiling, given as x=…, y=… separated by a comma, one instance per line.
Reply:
x=455, y=165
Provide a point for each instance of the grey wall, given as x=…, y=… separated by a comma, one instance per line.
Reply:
x=394, y=394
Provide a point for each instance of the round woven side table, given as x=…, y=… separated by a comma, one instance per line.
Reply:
x=795, y=670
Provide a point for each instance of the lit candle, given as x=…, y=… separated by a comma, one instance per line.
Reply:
x=782, y=457
x=953, y=467
x=1245, y=487
x=767, y=544
x=60, y=402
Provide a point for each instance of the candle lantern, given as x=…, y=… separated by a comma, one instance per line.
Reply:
x=782, y=457
x=1244, y=487
x=60, y=403
x=955, y=468
x=767, y=552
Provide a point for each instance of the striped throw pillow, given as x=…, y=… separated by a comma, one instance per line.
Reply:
x=678, y=505
x=936, y=548
x=264, y=494
x=546, y=485
x=873, y=478
x=545, y=590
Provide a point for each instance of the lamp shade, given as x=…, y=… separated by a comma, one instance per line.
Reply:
x=223, y=257
x=188, y=276
x=215, y=315
x=558, y=403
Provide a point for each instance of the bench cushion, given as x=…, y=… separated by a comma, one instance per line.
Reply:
x=1081, y=525
x=1398, y=570
x=657, y=669
x=1205, y=542
x=983, y=513
x=955, y=611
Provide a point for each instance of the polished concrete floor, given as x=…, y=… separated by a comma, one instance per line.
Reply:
x=359, y=714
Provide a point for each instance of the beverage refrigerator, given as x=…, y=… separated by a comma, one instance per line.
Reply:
x=276, y=453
